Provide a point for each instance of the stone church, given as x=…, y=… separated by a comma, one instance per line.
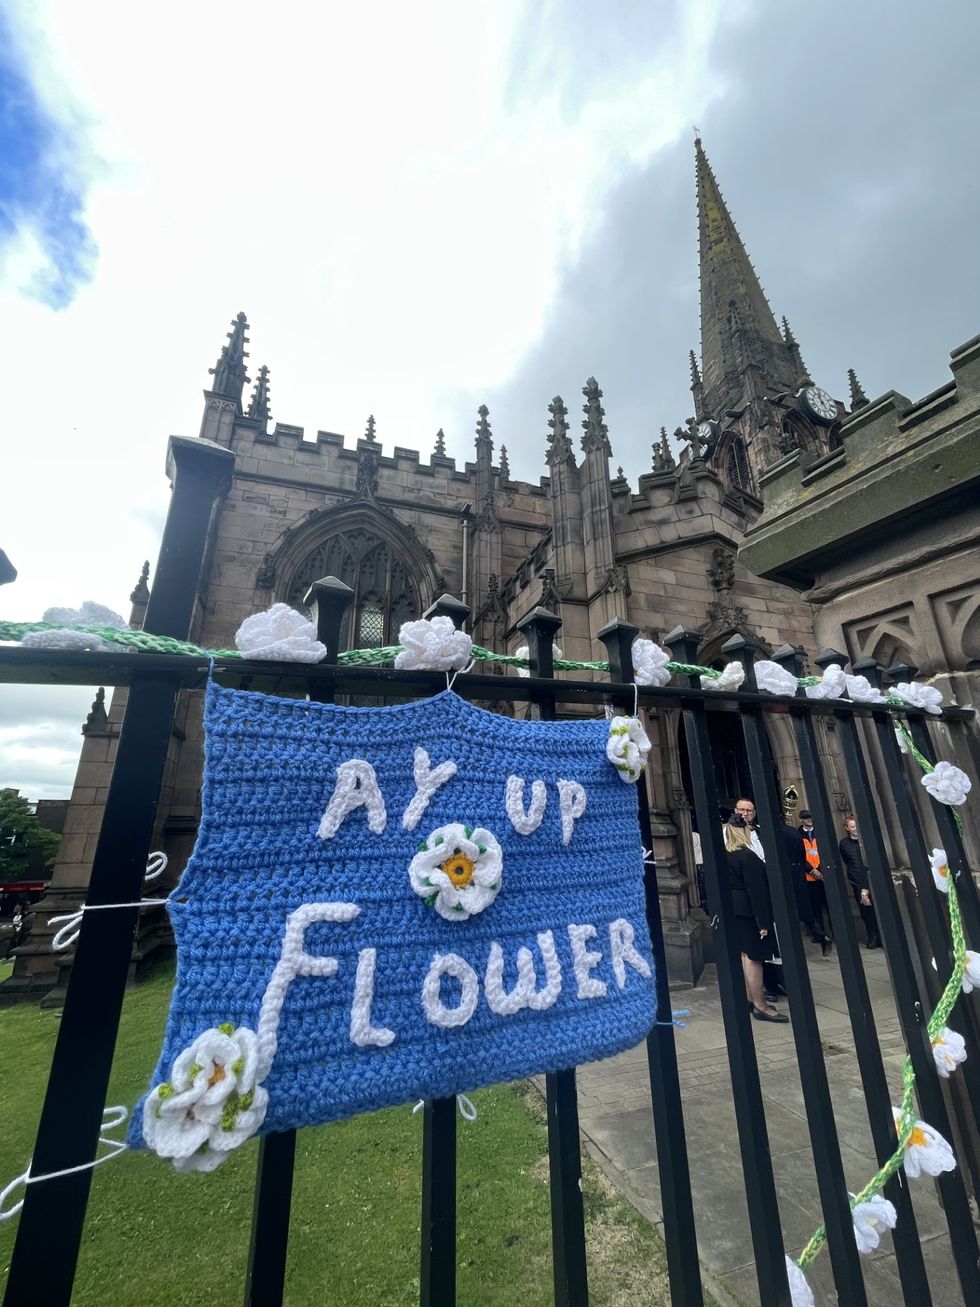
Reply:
x=401, y=528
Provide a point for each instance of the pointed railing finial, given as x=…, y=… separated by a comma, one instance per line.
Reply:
x=858, y=397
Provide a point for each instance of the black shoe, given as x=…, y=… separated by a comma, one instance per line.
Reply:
x=874, y=943
x=826, y=944
x=781, y=1017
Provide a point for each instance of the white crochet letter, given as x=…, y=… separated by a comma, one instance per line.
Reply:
x=427, y=781
x=585, y=961
x=571, y=801
x=293, y=962
x=361, y=1031
x=450, y=964
x=525, y=822
x=621, y=936
x=356, y=786
x=524, y=994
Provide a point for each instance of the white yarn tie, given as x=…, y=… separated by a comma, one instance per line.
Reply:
x=467, y=1108
x=451, y=677
x=64, y=938
x=112, y=1117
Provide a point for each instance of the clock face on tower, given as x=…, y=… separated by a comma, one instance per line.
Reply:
x=818, y=404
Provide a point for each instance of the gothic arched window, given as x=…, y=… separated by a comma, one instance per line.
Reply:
x=385, y=592
x=737, y=465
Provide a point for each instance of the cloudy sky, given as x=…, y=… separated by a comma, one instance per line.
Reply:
x=424, y=207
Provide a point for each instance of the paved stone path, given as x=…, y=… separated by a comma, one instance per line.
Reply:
x=616, y=1120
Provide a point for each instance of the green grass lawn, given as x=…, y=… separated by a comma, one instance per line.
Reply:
x=155, y=1237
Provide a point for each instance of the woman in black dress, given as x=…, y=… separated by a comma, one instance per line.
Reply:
x=753, y=915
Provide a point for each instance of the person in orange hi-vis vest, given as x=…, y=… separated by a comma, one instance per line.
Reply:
x=814, y=875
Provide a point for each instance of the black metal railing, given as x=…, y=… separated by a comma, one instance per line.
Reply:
x=75, y=1096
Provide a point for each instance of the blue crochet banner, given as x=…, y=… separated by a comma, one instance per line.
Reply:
x=387, y=904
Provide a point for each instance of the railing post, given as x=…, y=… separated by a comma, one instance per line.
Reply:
x=806, y=1032
x=680, y=1236
x=79, y=1077
x=564, y=1150
x=437, y=1271
x=328, y=600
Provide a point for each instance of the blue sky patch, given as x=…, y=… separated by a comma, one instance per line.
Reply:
x=35, y=191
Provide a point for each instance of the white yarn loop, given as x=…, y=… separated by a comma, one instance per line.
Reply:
x=467, y=1108
x=451, y=676
x=112, y=1117
x=64, y=938
x=156, y=865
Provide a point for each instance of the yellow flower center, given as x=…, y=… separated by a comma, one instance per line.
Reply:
x=217, y=1075
x=917, y=1139
x=459, y=869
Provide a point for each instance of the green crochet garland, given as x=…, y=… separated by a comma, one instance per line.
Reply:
x=146, y=643
x=947, y=1001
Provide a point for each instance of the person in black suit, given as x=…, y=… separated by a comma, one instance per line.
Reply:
x=857, y=873
x=798, y=867
x=753, y=914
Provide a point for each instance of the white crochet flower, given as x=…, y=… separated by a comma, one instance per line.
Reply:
x=871, y=1219
x=940, y=870
x=948, y=1050
x=280, y=634
x=210, y=1104
x=628, y=747
x=433, y=644
x=831, y=685
x=774, y=679
x=862, y=691
x=730, y=679
x=800, y=1293
x=522, y=651
x=64, y=638
x=971, y=972
x=947, y=784
x=650, y=663
x=457, y=870
x=919, y=695
x=926, y=1151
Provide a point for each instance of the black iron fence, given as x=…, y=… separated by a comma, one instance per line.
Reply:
x=50, y=1223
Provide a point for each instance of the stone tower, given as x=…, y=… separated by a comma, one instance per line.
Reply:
x=754, y=401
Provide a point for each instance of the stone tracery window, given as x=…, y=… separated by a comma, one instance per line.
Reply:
x=385, y=591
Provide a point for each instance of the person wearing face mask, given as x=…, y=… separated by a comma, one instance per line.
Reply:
x=814, y=873
x=857, y=873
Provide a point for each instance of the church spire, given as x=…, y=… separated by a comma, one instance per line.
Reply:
x=229, y=372
x=258, y=405
x=731, y=294
x=596, y=432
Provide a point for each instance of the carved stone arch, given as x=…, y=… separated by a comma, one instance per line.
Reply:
x=392, y=574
